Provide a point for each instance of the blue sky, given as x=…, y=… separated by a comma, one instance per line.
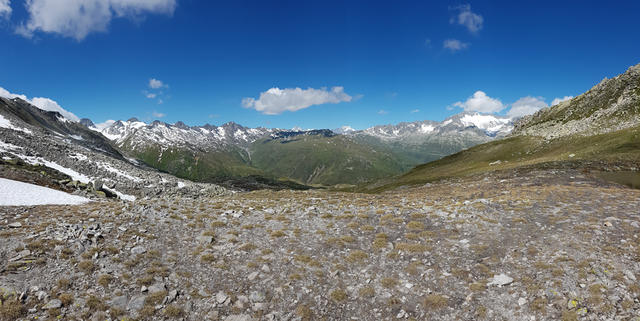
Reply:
x=357, y=63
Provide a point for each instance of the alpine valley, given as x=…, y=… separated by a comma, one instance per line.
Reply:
x=531, y=219
x=234, y=153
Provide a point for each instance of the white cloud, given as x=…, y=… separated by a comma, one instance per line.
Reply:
x=480, y=102
x=454, y=45
x=275, y=100
x=156, y=90
x=78, y=18
x=382, y=112
x=415, y=111
x=42, y=103
x=526, y=106
x=5, y=9
x=156, y=84
x=6, y=94
x=559, y=100
x=105, y=124
x=158, y=114
x=465, y=17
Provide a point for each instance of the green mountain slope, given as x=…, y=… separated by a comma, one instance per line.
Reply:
x=600, y=128
x=324, y=159
x=318, y=158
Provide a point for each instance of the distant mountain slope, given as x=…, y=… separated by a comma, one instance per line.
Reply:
x=599, y=129
x=322, y=157
x=424, y=141
x=208, y=153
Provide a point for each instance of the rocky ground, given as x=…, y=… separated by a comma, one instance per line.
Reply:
x=539, y=245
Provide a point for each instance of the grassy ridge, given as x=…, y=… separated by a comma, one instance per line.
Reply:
x=517, y=151
x=197, y=166
x=324, y=160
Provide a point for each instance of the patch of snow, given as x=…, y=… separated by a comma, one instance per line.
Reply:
x=221, y=132
x=5, y=123
x=73, y=174
x=16, y=193
x=78, y=156
x=241, y=134
x=487, y=123
x=76, y=137
x=181, y=185
x=426, y=128
x=5, y=147
x=447, y=122
x=118, y=172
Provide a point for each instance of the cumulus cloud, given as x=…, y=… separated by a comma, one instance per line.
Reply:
x=5, y=9
x=559, y=100
x=105, y=124
x=454, y=45
x=78, y=18
x=480, y=102
x=275, y=100
x=42, y=103
x=158, y=114
x=415, y=111
x=382, y=112
x=465, y=17
x=156, y=90
x=526, y=106
x=156, y=84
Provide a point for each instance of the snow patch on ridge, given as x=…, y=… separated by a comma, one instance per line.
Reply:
x=16, y=193
x=5, y=123
x=487, y=123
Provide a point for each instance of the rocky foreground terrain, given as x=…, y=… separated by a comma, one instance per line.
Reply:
x=525, y=245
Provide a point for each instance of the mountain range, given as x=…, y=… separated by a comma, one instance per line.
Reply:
x=600, y=125
x=322, y=157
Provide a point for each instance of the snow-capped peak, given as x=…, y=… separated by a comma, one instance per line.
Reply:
x=344, y=130
x=489, y=123
x=119, y=130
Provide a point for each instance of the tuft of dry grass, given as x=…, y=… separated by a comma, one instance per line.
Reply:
x=86, y=266
x=66, y=299
x=435, y=301
x=366, y=292
x=104, y=280
x=389, y=283
x=304, y=313
x=338, y=295
x=12, y=310
x=357, y=256
x=173, y=311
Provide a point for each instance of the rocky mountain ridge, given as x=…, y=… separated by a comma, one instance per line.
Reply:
x=50, y=148
x=611, y=105
x=208, y=152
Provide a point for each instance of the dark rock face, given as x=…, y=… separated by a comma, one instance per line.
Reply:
x=86, y=122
